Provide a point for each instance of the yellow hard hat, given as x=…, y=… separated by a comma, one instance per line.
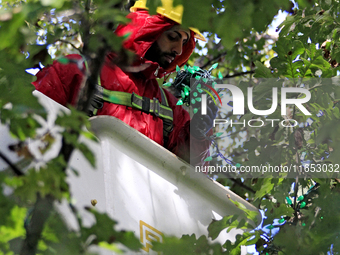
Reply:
x=167, y=10
x=140, y=4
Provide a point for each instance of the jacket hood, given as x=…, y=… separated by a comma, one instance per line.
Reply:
x=144, y=30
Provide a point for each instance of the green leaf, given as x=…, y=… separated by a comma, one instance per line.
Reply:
x=262, y=70
x=217, y=226
x=13, y=227
x=53, y=3
x=266, y=188
x=105, y=232
x=88, y=154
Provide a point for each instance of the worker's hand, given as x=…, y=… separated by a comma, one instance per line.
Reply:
x=201, y=124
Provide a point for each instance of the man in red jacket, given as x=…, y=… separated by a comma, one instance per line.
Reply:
x=160, y=44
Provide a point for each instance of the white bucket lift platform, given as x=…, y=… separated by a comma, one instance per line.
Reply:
x=144, y=187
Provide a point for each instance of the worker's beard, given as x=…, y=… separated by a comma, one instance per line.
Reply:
x=155, y=54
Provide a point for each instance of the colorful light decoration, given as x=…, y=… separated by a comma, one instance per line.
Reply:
x=202, y=78
x=193, y=81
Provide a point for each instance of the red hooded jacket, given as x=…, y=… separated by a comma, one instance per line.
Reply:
x=61, y=83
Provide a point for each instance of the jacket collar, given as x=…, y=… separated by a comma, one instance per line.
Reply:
x=152, y=69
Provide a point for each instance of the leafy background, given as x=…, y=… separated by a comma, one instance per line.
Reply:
x=301, y=213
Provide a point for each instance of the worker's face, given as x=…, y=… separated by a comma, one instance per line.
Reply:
x=168, y=46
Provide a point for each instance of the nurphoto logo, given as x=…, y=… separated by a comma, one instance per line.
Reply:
x=238, y=99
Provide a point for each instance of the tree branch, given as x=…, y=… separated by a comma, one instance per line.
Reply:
x=44, y=206
x=40, y=214
x=210, y=61
x=242, y=185
x=239, y=74
x=65, y=41
x=16, y=170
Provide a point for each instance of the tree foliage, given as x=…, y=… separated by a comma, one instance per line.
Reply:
x=301, y=213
